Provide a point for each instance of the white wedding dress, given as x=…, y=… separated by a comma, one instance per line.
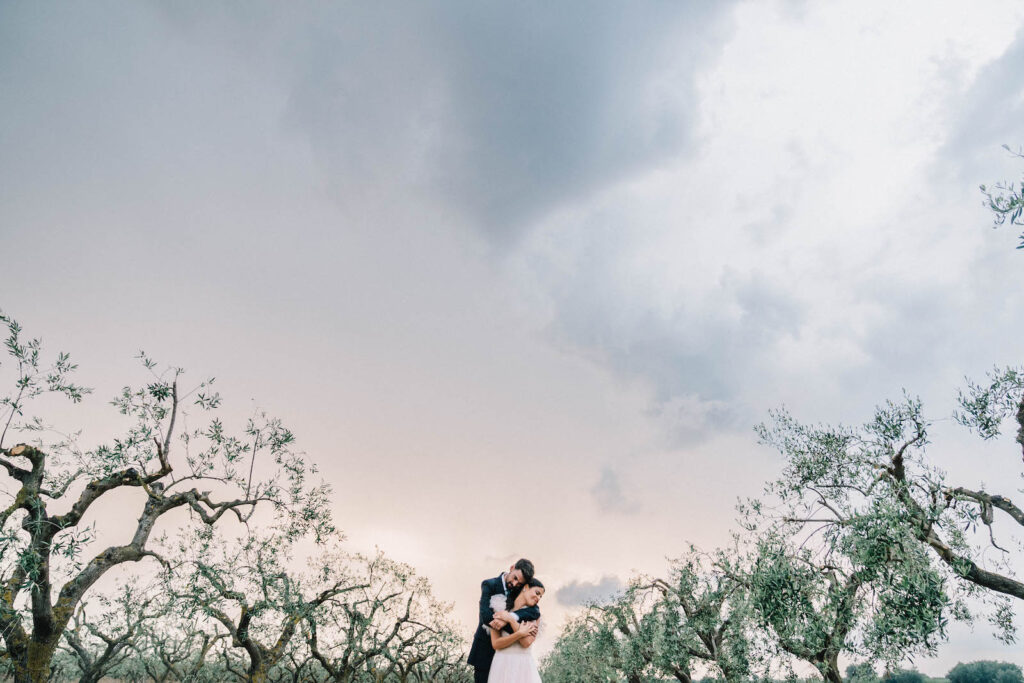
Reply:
x=514, y=664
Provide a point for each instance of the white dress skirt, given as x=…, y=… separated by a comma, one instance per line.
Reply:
x=514, y=664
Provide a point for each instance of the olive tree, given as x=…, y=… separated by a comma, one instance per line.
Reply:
x=879, y=476
x=697, y=616
x=838, y=564
x=48, y=558
x=619, y=637
x=389, y=627
x=819, y=603
x=704, y=617
x=297, y=666
x=585, y=650
x=173, y=648
x=983, y=409
x=248, y=585
x=106, y=629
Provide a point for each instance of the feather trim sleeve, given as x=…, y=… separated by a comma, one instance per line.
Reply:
x=497, y=605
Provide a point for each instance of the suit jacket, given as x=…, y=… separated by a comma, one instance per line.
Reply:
x=482, y=652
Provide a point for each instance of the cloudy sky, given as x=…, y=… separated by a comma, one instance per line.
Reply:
x=522, y=276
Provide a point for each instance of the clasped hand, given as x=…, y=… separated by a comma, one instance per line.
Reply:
x=504, y=618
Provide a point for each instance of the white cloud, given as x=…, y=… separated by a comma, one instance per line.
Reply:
x=578, y=593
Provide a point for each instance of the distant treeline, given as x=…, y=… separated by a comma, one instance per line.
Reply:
x=982, y=671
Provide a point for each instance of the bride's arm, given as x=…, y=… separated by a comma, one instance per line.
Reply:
x=520, y=633
x=500, y=641
x=527, y=641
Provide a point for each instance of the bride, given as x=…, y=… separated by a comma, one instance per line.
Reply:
x=513, y=659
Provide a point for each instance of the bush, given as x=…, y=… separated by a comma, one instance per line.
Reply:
x=861, y=673
x=985, y=672
x=905, y=676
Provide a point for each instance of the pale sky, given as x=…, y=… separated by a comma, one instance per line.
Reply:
x=523, y=276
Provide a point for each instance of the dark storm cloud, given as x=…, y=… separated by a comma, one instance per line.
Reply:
x=580, y=593
x=556, y=99
x=504, y=110
x=495, y=113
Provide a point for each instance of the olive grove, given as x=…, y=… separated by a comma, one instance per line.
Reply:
x=214, y=593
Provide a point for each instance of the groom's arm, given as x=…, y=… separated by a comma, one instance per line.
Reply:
x=520, y=615
x=527, y=614
x=486, y=613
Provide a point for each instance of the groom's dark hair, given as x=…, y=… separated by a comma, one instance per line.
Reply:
x=526, y=567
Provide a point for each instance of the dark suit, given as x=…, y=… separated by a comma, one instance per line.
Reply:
x=482, y=652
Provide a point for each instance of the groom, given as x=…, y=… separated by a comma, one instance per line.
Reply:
x=508, y=584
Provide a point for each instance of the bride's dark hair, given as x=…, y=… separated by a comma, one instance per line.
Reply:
x=510, y=601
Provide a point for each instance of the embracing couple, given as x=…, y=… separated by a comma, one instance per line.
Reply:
x=509, y=620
